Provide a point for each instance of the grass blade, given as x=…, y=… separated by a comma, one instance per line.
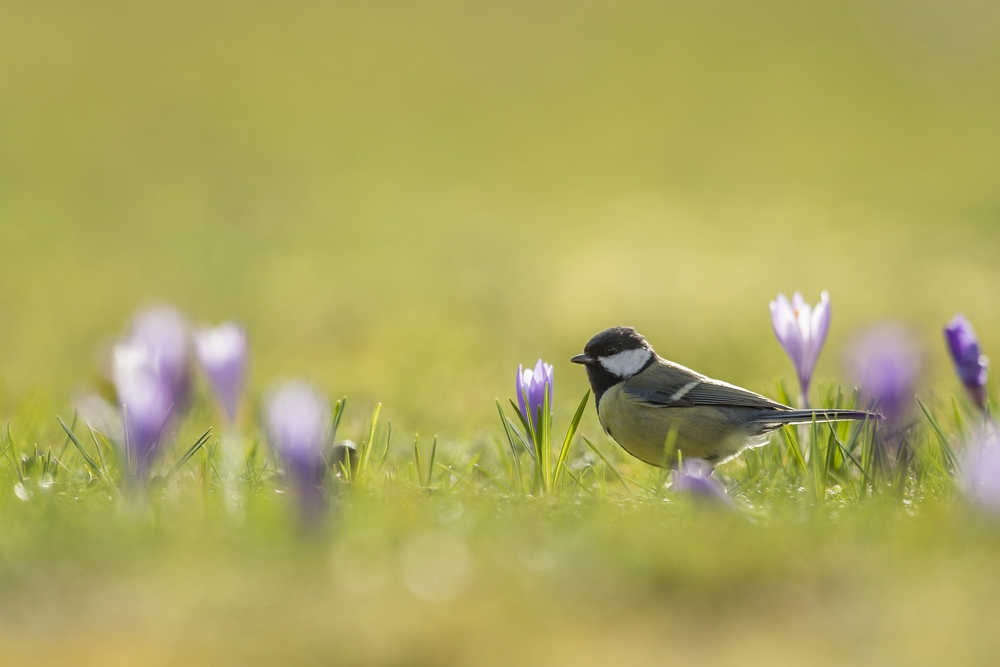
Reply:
x=946, y=449
x=338, y=412
x=416, y=457
x=191, y=451
x=847, y=451
x=607, y=463
x=88, y=459
x=100, y=452
x=430, y=468
x=72, y=426
x=568, y=440
x=528, y=428
x=388, y=441
x=508, y=431
x=793, y=444
x=369, y=442
x=490, y=476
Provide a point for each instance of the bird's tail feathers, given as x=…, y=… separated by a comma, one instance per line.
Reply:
x=820, y=415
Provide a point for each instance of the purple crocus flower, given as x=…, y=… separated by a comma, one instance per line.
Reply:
x=222, y=353
x=533, y=384
x=801, y=330
x=693, y=480
x=979, y=476
x=885, y=363
x=297, y=421
x=970, y=365
x=164, y=333
x=145, y=398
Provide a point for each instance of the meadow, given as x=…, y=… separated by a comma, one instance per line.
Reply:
x=403, y=202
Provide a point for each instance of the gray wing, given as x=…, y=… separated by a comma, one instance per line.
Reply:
x=668, y=385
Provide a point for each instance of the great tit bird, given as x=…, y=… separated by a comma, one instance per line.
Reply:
x=644, y=400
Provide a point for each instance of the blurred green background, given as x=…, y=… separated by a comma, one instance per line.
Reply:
x=403, y=200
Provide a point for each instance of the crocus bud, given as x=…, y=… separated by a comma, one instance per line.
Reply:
x=532, y=385
x=222, y=353
x=297, y=421
x=693, y=480
x=970, y=365
x=885, y=363
x=801, y=330
x=145, y=398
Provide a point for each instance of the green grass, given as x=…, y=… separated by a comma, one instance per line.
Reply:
x=456, y=557
x=404, y=201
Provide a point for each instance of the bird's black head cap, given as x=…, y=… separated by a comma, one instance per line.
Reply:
x=614, y=340
x=610, y=357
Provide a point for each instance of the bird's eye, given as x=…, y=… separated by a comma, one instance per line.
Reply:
x=611, y=351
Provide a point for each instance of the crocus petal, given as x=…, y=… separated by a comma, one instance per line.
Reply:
x=818, y=326
x=297, y=421
x=782, y=317
x=801, y=330
x=803, y=317
x=798, y=303
x=979, y=478
x=693, y=481
x=886, y=363
x=145, y=397
x=549, y=381
x=803, y=321
x=820, y=323
x=520, y=386
x=786, y=329
x=164, y=332
x=539, y=378
x=532, y=386
x=222, y=353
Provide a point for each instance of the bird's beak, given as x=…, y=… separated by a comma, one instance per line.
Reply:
x=583, y=359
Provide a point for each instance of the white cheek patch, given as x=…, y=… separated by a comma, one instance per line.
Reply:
x=626, y=364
